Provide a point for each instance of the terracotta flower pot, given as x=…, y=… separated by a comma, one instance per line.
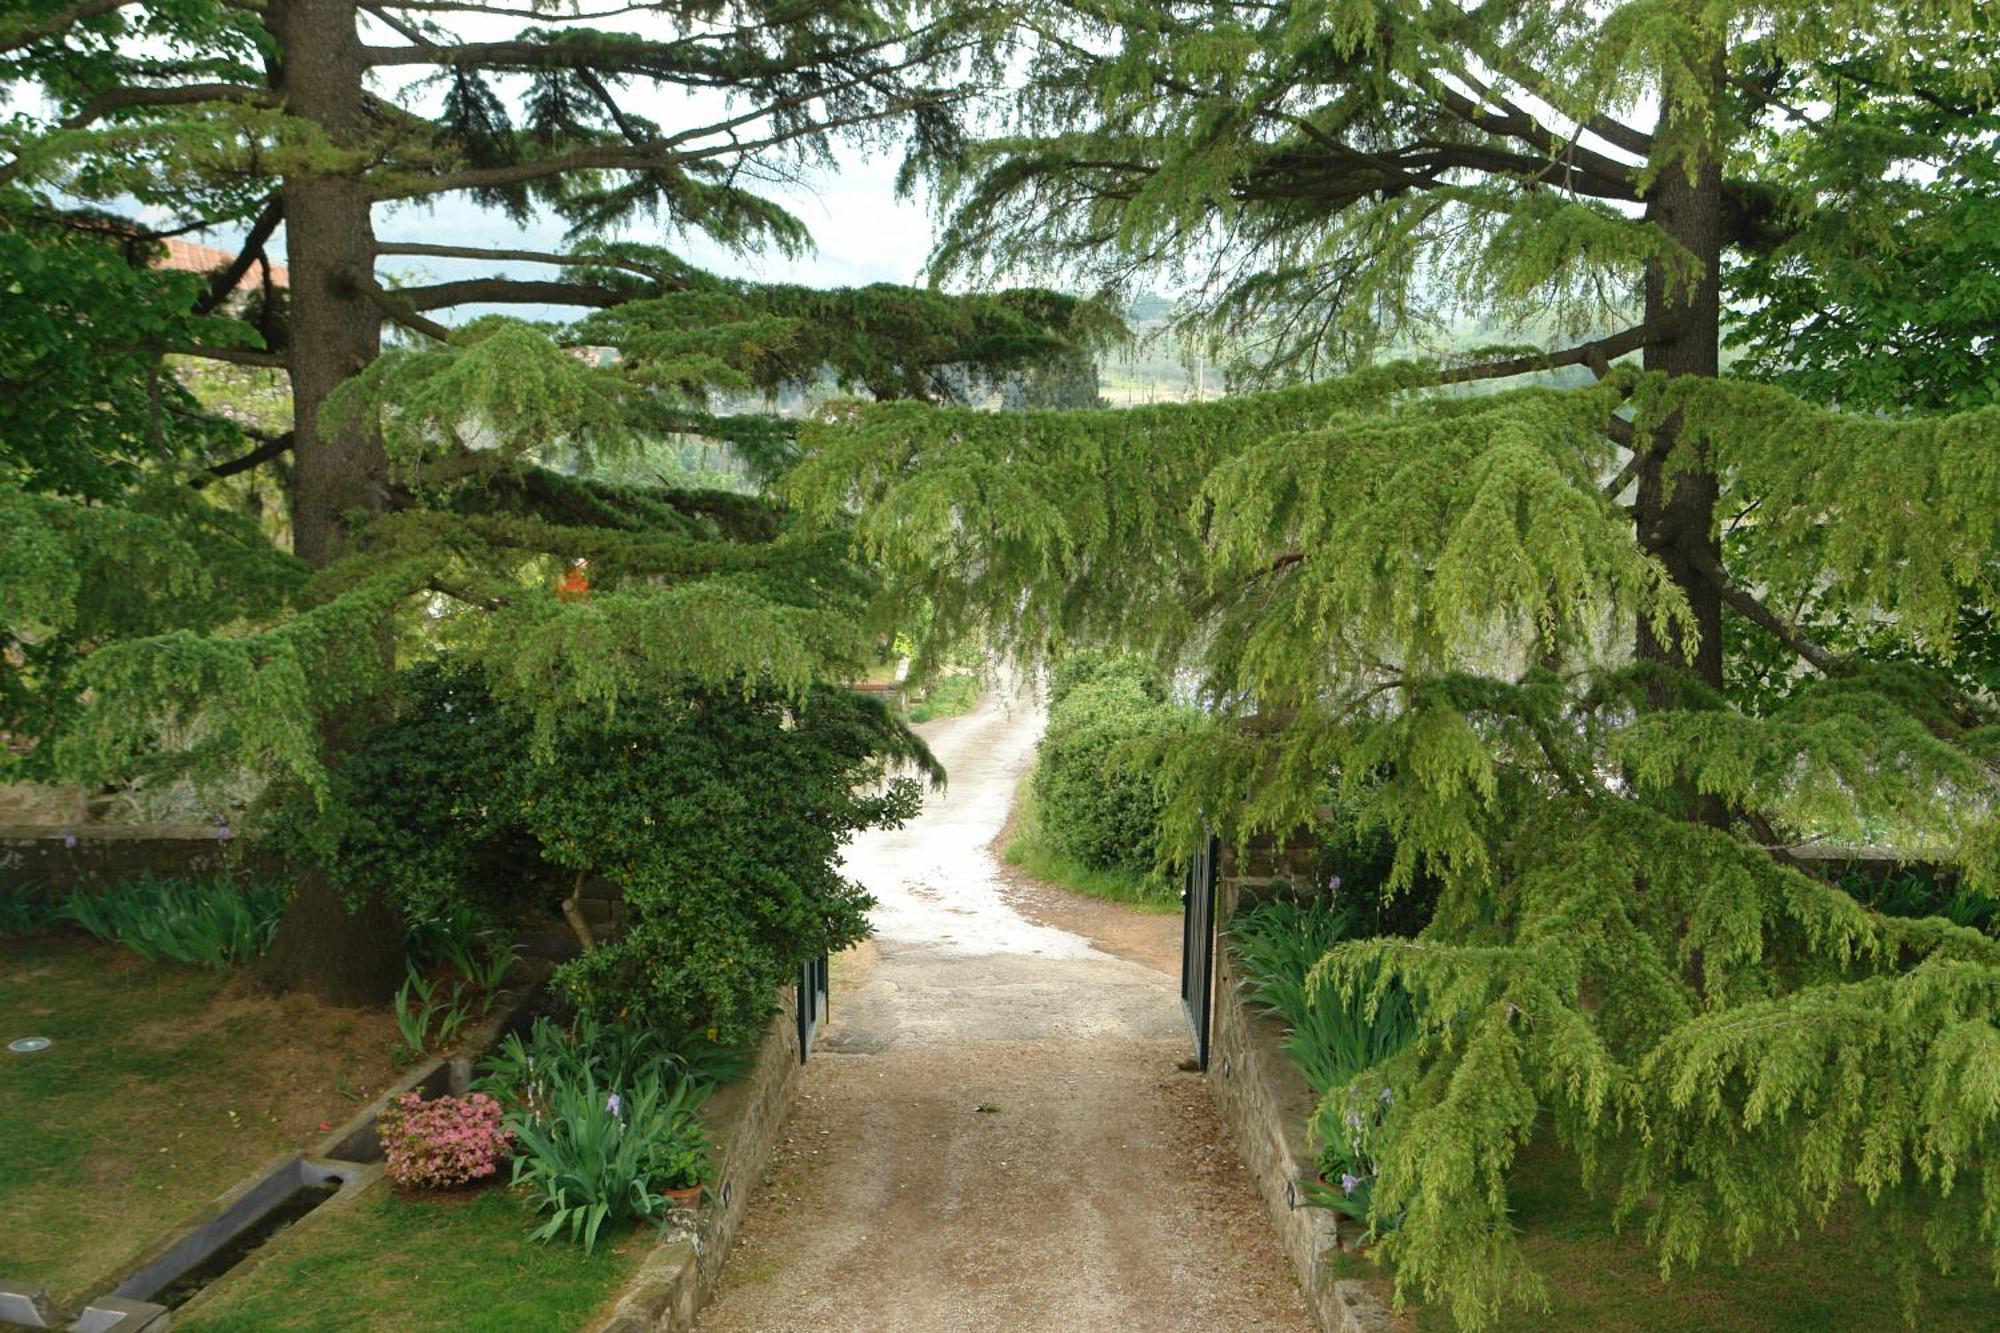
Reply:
x=688, y=1197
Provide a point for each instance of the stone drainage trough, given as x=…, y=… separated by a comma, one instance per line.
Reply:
x=215, y=1242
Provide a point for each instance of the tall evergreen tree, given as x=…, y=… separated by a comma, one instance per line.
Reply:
x=1494, y=621
x=438, y=489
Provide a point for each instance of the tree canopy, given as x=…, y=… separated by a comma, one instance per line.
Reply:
x=448, y=483
x=1505, y=626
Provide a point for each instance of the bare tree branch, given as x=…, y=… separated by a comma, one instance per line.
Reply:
x=510, y=291
x=242, y=356
x=224, y=281
x=273, y=446
x=529, y=257
x=1746, y=604
x=1606, y=349
x=397, y=306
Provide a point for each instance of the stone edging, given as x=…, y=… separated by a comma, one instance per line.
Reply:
x=677, y=1275
x=1265, y=1102
x=354, y=1141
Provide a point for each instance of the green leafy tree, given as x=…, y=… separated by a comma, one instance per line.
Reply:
x=445, y=491
x=718, y=817
x=1494, y=621
x=1879, y=298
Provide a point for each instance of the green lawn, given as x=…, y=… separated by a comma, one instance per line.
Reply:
x=386, y=1263
x=1600, y=1283
x=1028, y=849
x=947, y=696
x=164, y=1086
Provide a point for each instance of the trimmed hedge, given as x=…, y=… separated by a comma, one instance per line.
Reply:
x=1094, y=774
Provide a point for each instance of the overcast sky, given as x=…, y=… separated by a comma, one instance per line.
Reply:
x=862, y=232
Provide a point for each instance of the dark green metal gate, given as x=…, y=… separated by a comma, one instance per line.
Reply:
x=812, y=1003
x=1198, y=945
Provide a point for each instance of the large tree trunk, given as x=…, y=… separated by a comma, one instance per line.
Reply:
x=350, y=958
x=1676, y=515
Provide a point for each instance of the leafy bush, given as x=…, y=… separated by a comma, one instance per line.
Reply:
x=596, y=1157
x=1094, y=787
x=947, y=696
x=441, y=1143
x=1335, y=1035
x=1921, y=891
x=719, y=817
x=613, y=1055
x=212, y=922
x=23, y=911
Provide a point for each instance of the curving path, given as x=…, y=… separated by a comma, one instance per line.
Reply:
x=994, y=1133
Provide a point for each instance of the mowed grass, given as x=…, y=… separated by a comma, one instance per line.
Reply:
x=388, y=1263
x=947, y=696
x=1601, y=1283
x=1028, y=849
x=164, y=1086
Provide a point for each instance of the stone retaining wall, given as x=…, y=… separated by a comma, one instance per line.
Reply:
x=1265, y=1102
x=54, y=861
x=677, y=1275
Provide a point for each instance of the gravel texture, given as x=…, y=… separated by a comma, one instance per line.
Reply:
x=995, y=1133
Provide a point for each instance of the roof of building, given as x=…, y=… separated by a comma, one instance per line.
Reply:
x=188, y=257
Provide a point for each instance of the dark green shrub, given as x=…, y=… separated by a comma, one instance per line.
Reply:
x=23, y=910
x=1094, y=788
x=718, y=816
x=212, y=922
x=1334, y=1034
x=1920, y=890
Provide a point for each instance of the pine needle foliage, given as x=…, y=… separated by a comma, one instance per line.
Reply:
x=1427, y=600
x=1507, y=630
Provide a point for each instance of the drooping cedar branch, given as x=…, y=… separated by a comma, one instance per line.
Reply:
x=659, y=59
x=224, y=280
x=125, y=99
x=650, y=157
x=519, y=12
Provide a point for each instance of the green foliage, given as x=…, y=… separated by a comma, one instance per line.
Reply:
x=1920, y=891
x=1094, y=782
x=602, y=1157
x=1880, y=296
x=214, y=922
x=1425, y=602
x=947, y=696
x=1030, y=848
x=1342, y=1038
x=718, y=817
x=426, y=1016
x=90, y=406
x=23, y=910
x=613, y=1055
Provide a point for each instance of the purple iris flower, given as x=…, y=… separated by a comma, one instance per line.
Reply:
x=613, y=1105
x=1348, y=1182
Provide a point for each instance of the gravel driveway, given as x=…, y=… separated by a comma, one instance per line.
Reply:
x=994, y=1133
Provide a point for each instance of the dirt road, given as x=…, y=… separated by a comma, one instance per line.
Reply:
x=993, y=1133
